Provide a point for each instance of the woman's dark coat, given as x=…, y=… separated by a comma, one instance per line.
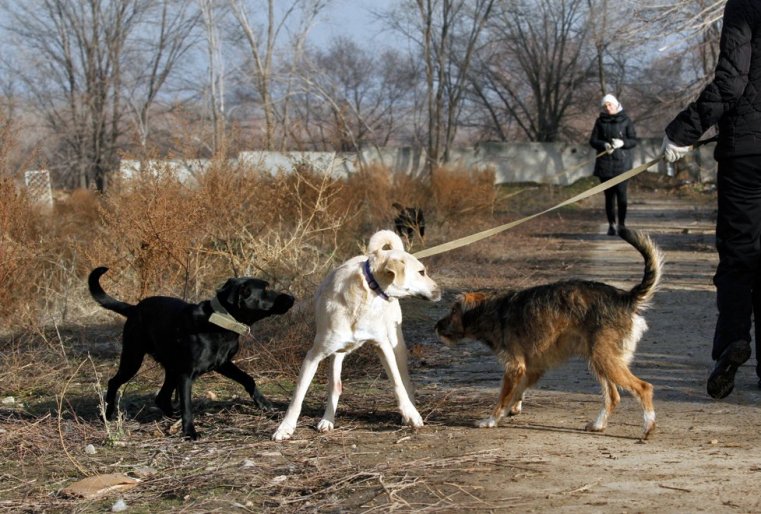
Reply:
x=733, y=99
x=609, y=127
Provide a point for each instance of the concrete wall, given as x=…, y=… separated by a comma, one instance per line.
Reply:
x=552, y=163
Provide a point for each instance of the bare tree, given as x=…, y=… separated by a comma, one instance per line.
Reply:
x=355, y=97
x=216, y=71
x=447, y=34
x=262, y=42
x=694, y=27
x=81, y=58
x=534, y=66
x=166, y=35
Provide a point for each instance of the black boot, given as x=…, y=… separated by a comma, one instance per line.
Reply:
x=611, y=230
x=722, y=379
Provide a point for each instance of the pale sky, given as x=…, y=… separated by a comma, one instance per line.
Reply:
x=352, y=18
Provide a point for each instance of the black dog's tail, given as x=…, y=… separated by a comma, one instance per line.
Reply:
x=102, y=298
x=643, y=293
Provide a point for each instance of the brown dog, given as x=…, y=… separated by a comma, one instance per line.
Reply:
x=536, y=329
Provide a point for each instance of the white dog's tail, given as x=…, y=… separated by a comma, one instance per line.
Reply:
x=384, y=240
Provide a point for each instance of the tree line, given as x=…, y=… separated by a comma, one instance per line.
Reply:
x=87, y=82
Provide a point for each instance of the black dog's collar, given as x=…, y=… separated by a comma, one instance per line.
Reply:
x=224, y=319
x=376, y=288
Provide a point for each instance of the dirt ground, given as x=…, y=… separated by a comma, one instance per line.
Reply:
x=703, y=456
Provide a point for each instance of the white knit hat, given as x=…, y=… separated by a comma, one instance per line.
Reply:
x=612, y=99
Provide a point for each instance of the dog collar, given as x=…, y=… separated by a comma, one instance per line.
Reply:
x=376, y=288
x=224, y=319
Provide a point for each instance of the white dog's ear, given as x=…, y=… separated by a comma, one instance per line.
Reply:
x=393, y=270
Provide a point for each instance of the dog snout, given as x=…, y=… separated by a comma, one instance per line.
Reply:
x=283, y=303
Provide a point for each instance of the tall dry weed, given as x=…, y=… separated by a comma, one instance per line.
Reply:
x=163, y=235
x=461, y=193
x=20, y=234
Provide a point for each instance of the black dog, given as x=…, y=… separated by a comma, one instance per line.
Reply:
x=409, y=221
x=180, y=337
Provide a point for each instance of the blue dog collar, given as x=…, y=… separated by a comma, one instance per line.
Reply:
x=376, y=288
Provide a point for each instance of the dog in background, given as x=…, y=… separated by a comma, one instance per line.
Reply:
x=181, y=337
x=358, y=303
x=409, y=221
x=535, y=329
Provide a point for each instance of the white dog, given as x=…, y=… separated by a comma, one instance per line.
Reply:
x=358, y=303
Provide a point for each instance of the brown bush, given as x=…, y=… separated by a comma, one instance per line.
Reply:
x=20, y=235
x=163, y=236
x=462, y=193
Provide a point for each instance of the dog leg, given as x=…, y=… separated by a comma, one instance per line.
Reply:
x=410, y=415
x=233, y=372
x=611, y=399
x=401, y=354
x=129, y=364
x=643, y=391
x=617, y=373
x=510, y=384
x=308, y=369
x=335, y=388
x=184, y=388
x=164, y=397
x=529, y=380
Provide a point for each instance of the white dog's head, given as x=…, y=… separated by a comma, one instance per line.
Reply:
x=398, y=273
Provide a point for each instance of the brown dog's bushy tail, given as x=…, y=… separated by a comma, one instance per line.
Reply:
x=104, y=299
x=642, y=293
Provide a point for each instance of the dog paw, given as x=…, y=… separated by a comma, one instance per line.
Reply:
x=324, y=426
x=649, y=429
x=282, y=433
x=489, y=422
x=592, y=426
x=413, y=420
x=191, y=434
x=262, y=402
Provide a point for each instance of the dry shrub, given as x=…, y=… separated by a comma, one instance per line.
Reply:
x=150, y=225
x=186, y=239
x=161, y=235
x=287, y=227
x=376, y=189
x=20, y=234
x=462, y=193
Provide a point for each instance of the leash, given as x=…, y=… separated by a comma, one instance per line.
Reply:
x=464, y=241
x=224, y=319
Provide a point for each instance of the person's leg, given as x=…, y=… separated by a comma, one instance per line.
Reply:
x=738, y=241
x=610, y=211
x=622, y=202
x=757, y=324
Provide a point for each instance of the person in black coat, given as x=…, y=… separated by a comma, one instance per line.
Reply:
x=733, y=102
x=613, y=134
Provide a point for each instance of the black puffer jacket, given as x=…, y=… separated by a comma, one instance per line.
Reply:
x=609, y=127
x=733, y=99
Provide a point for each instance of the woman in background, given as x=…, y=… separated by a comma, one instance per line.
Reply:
x=613, y=134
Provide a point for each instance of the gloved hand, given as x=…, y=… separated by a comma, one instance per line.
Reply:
x=617, y=143
x=609, y=148
x=671, y=151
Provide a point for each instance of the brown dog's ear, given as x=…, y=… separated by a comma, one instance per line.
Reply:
x=455, y=317
x=470, y=300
